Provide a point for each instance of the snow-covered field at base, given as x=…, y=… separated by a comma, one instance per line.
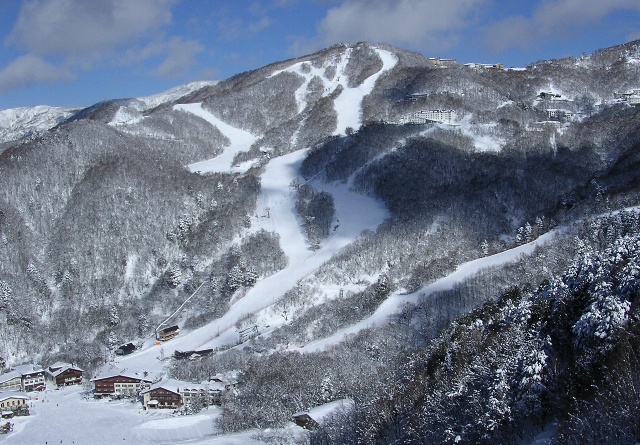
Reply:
x=64, y=417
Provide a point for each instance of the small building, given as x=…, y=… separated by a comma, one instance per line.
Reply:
x=126, y=349
x=168, y=333
x=16, y=402
x=229, y=381
x=192, y=354
x=314, y=417
x=197, y=355
x=486, y=66
x=442, y=62
x=125, y=384
x=548, y=95
x=633, y=100
x=64, y=374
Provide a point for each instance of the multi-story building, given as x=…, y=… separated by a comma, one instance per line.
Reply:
x=424, y=116
x=167, y=333
x=174, y=393
x=33, y=377
x=24, y=378
x=126, y=384
x=210, y=393
x=11, y=380
x=557, y=113
x=163, y=395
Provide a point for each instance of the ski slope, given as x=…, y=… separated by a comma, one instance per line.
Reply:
x=350, y=115
x=276, y=213
x=355, y=213
x=132, y=113
x=393, y=305
x=240, y=140
x=348, y=105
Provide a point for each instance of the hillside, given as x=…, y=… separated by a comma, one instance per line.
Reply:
x=325, y=205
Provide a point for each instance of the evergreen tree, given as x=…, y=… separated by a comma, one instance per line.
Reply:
x=235, y=278
x=174, y=276
x=114, y=316
x=143, y=325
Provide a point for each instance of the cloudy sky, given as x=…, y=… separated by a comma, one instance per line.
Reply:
x=79, y=52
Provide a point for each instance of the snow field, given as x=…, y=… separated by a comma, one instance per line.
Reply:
x=177, y=429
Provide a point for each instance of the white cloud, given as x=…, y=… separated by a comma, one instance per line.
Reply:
x=80, y=33
x=428, y=24
x=178, y=55
x=28, y=70
x=77, y=27
x=550, y=20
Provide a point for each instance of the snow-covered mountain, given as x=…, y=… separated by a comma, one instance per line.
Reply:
x=356, y=200
x=16, y=123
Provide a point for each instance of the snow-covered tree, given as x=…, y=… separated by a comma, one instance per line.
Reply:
x=250, y=276
x=143, y=325
x=484, y=247
x=528, y=232
x=114, y=315
x=327, y=390
x=112, y=341
x=6, y=295
x=235, y=278
x=604, y=317
x=174, y=276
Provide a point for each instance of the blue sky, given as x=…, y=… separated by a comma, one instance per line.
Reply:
x=79, y=52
